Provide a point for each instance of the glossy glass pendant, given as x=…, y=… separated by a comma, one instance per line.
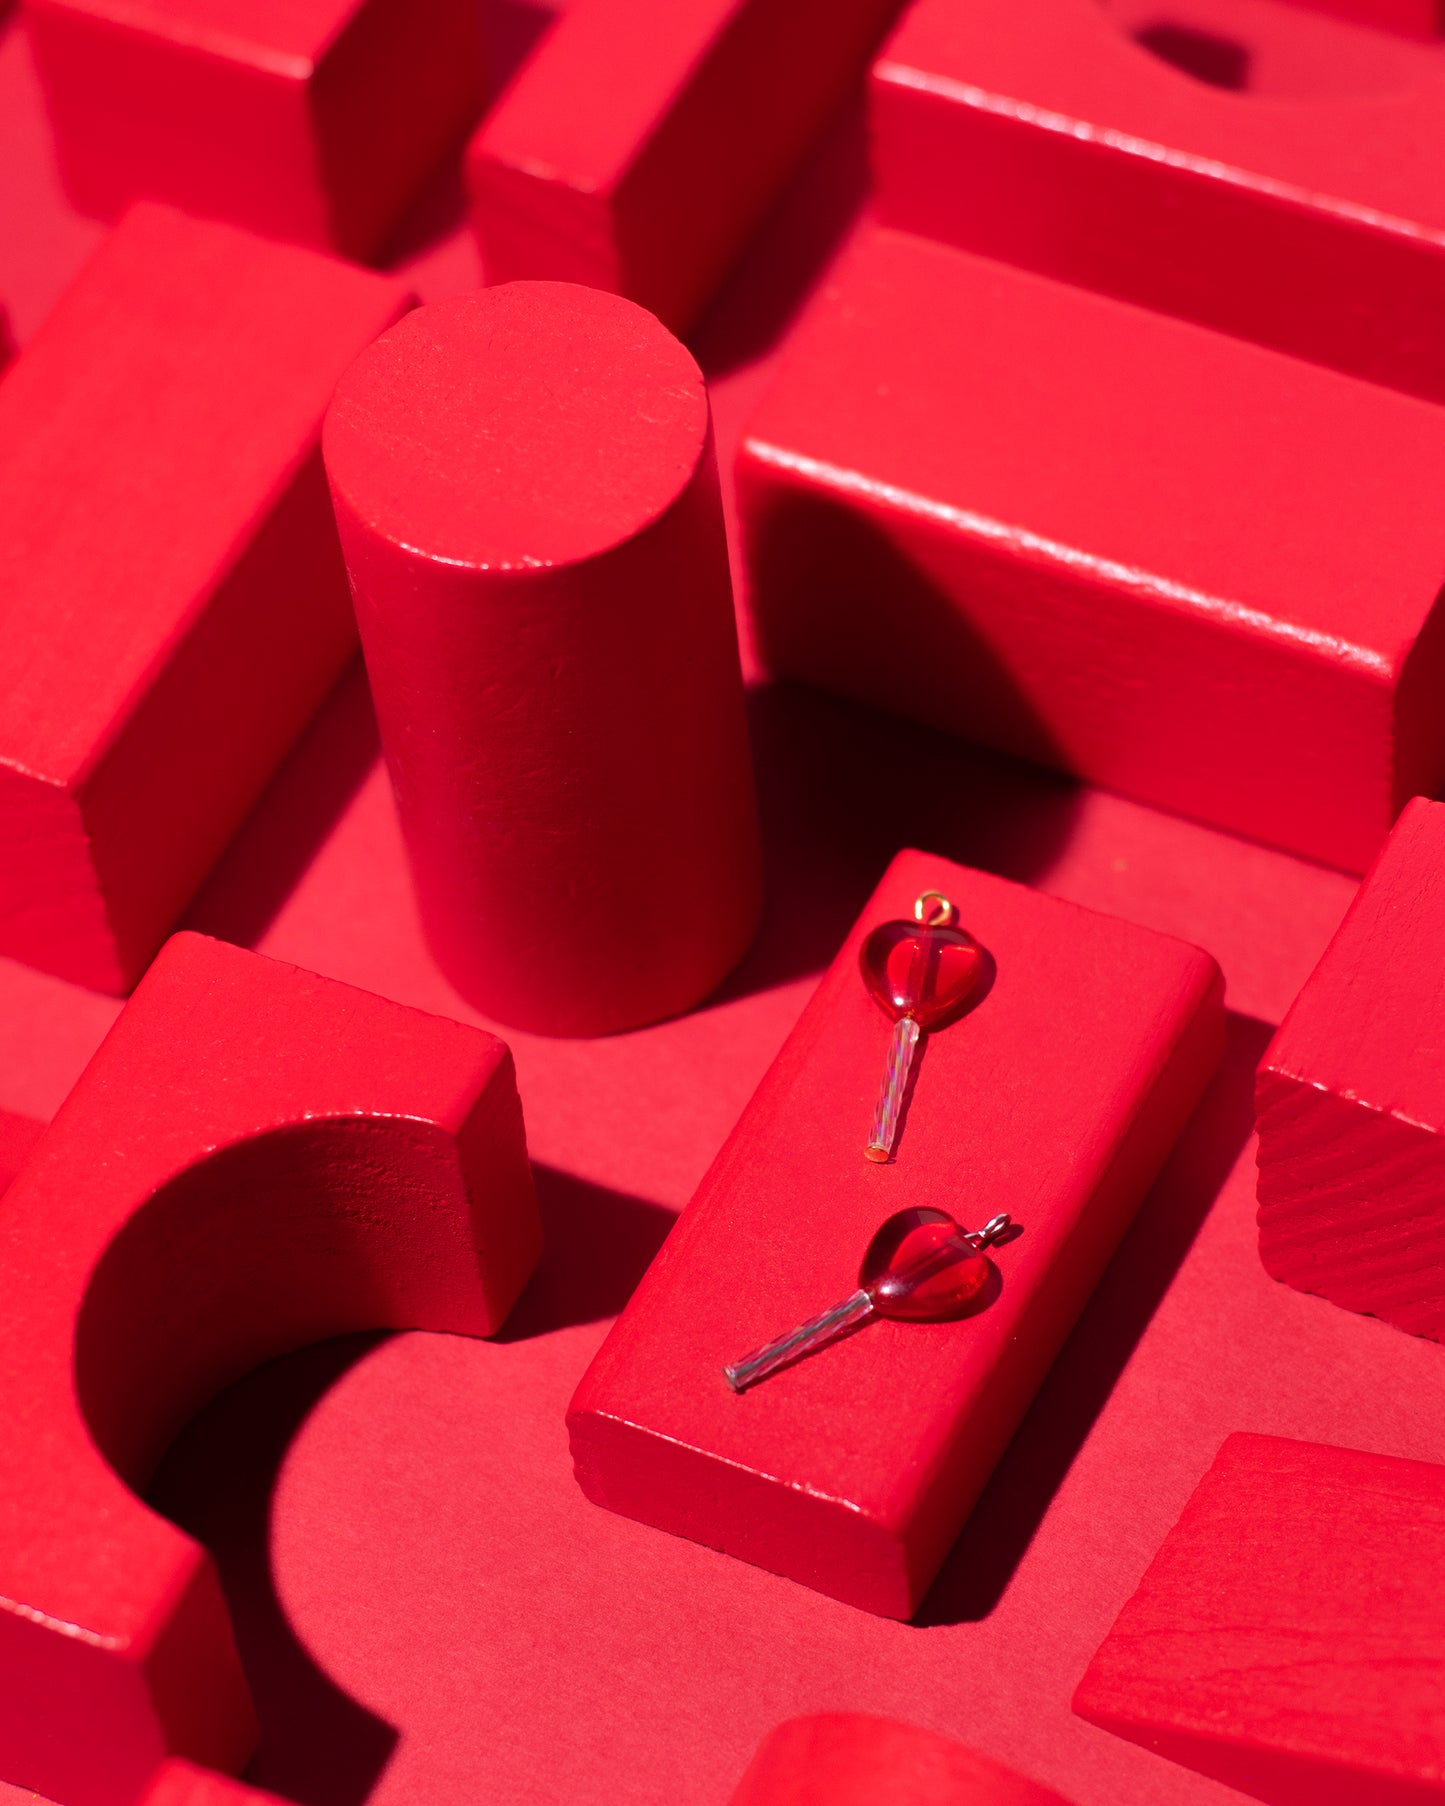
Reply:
x=920, y=973
x=920, y=1267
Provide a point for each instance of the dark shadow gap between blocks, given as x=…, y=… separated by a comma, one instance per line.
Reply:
x=292, y=818
x=319, y=1746
x=1003, y=1523
x=843, y=787
x=597, y=1244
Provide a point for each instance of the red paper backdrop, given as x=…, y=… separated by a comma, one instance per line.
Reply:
x=427, y=1606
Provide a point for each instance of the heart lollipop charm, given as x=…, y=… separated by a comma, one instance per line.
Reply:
x=920, y=973
x=919, y=1268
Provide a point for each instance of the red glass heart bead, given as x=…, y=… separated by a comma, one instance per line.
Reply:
x=921, y=1267
x=921, y=970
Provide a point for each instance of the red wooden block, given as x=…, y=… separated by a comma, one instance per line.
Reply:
x=646, y=138
x=255, y=1159
x=1307, y=213
x=180, y=1783
x=849, y=1759
x=1183, y=567
x=1287, y=1638
x=1351, y=1100
x=172, y=596
x=1055, y=1100
x=528, y=500
x=308, y=120
x=18, y=1136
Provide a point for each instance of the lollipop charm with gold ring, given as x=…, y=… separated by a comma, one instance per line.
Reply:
x=920, y=973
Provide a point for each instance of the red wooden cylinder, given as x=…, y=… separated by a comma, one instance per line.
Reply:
x=528, y=500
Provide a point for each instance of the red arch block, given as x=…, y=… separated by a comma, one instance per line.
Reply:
x=255, y=1159
x=849, y=1759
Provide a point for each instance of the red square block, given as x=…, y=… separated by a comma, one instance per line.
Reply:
x=1351, y=1100
x=645, y=138
x=173, y=601
x=848, y=1759
x=1180, y=566
x=1287, y=1637
x=1054, y=1100
x=1306, y=211
x=308, y=120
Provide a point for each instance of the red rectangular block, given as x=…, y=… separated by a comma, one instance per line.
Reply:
x=1351, y=1100
x=1304, y=210
x=173, y=601
x=1054, y=1100
x=1287, y=1637
x=645, y=138
x=308, y=120
x=1180, y=566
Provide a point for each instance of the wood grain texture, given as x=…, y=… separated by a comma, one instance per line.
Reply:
x=1287, y=1638
x=1351, y=1100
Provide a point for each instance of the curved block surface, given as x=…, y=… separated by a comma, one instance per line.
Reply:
x=849, y=1759
x=529, y=507
x=256, y=1158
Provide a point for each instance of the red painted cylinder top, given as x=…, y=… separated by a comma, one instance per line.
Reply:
x=528, y=501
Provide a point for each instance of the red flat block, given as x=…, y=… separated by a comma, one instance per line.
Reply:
x=1054, y=1100
x=172, y=596
x=1351, y=1100
x=1182, y=567
x=1306, y=211
x=1287, y=1638
x=180, y=1783
x=528, y=499
x=849, y=1759
x=645, y=138
x=309, y=120
x=255, y=1159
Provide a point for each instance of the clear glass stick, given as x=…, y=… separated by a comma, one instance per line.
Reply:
x=906, y=1034
x=801, y=1341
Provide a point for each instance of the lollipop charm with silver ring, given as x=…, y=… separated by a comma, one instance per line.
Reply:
x=919, y=973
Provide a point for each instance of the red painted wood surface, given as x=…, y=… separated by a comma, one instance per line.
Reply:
x=181, y=1783
x=1306, y=211
x=1221, y=597
x=1286, y=1638
x=256, y=1158
x=314, y=121
x=167, y=559
x=1054, y=1100
x=547, y=618
x=847, y=1759
x=645, y=139
x=1351, y=1100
